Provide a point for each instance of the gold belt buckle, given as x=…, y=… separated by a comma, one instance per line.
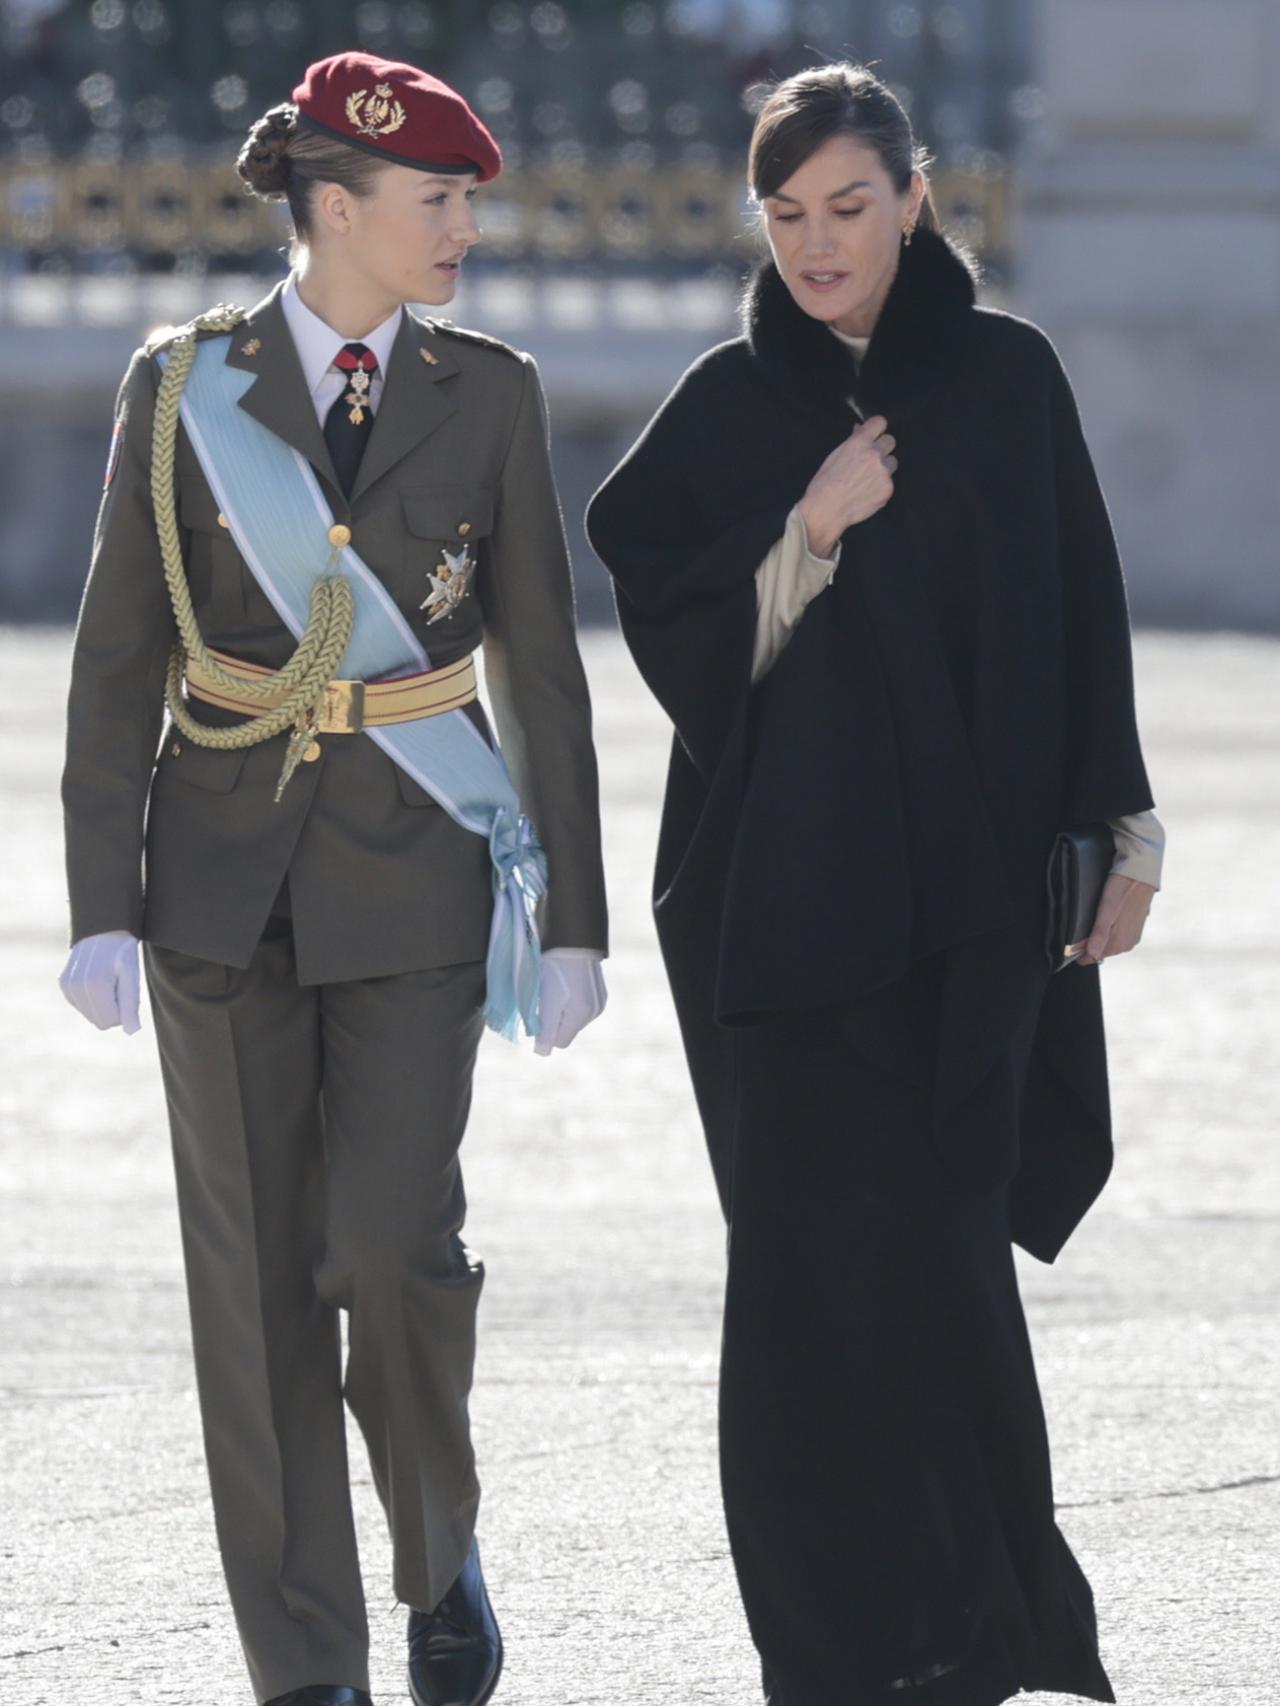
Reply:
x=343, y=712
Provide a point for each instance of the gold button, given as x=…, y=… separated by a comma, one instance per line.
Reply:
x=339, y=535
x=464, y=527
x=312, y=753
x=222, y=520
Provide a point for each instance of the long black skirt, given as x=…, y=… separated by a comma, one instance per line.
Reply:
x=885, y=1464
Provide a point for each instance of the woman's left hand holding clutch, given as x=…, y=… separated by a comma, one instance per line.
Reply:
x=1122, y=913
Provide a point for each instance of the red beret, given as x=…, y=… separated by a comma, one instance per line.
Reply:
x=396, y=112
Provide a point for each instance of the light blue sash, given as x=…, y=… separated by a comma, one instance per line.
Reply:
x=280, y=521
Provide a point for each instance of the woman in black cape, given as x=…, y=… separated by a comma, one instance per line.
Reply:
x=896, y=654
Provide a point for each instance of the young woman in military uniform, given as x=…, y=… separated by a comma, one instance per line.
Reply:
x=317, y=910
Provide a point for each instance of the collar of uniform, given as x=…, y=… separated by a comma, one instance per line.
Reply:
x=413, y=403
x=263, y=346
x=317, y=343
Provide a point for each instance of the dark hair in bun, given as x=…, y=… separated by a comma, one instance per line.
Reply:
x=281, y=160
x=264, y=160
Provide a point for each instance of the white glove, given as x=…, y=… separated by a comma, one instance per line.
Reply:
x=570, y=995
x=100, y=980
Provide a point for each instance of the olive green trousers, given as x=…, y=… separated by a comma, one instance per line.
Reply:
x=315, y=1140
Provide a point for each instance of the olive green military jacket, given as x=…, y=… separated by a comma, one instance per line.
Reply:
x=185, y=845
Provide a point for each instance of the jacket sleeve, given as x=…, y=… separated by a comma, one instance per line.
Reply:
x=1105, y=775
x=536, y=681
x=115, y=708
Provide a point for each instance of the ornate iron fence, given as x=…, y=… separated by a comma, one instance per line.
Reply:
x=158, y=216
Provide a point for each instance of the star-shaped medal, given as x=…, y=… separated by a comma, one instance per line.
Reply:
x=449, y=585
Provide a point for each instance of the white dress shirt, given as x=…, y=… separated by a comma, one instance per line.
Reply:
x=790, y=576
x=317, y=343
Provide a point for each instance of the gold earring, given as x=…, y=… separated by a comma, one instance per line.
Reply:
x=906, y=235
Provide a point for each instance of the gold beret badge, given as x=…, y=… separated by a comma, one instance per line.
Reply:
x=376, y=114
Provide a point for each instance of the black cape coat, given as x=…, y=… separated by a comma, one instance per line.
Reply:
x=890, y=790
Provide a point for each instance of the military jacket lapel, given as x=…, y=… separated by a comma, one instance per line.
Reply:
x=264, y=346
x=414, y=400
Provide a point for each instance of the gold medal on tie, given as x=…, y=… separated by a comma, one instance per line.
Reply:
x=358, y=396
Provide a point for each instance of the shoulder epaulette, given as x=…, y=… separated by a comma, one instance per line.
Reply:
x=163, y=336
x=470, y=337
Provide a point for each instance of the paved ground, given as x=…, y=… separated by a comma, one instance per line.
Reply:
x=1155, y=1332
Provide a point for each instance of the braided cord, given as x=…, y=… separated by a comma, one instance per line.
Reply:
x=300, y=685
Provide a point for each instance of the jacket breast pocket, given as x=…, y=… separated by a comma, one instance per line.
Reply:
x=223, y=590
x=444, y=530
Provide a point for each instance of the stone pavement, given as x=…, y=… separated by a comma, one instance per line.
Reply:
x=1155, y=1331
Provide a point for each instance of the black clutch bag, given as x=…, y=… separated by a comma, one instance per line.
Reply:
x=1078, y=867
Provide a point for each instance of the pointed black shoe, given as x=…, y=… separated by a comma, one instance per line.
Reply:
x=323, y=1694
x=455, y=1651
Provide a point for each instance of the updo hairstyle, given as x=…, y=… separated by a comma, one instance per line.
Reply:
x=282, y=160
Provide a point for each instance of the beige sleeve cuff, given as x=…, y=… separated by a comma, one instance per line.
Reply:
x=788, y=579
x=1139, y=847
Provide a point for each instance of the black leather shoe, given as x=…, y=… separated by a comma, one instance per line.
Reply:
x=455, y=1651
x=323, y=1694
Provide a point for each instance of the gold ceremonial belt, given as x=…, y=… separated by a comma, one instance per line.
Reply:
x=350, y=706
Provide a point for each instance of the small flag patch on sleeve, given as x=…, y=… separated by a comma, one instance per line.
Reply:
x=113, y=455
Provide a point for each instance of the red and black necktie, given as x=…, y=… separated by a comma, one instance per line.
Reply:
x=350, y=420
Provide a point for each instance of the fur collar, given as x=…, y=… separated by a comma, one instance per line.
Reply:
x=913, y=345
